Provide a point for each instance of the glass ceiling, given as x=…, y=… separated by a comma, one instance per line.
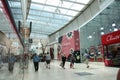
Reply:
x=5, y=25
x=48, y=16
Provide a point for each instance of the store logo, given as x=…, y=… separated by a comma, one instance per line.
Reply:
x=69, y=35
x=111, y=38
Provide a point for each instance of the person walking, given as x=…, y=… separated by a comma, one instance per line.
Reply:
x=11, y=61
x=72, y=60
x=36, y=60
x=87, y=56
x=63, y=61
x=48, y=58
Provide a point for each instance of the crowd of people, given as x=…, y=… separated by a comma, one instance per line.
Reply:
x=47, y=58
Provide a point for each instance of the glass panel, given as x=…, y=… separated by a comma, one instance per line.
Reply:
x=62, y=17
x=14, y=4
x=50, y=9
x=16, y=11
x=57, y=21
x=19, y=16
x=54, y=3
x=67, y=4
x=63, y=11
x=36, y=6
x=46, y=14
x=34, y=12
x=77, y=7
x=81, y=1
x=72, y=13
x=44, y=19
x=39, y=1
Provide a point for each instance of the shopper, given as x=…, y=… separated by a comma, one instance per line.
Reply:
x=63, y=60
x=87, y=56
x=11, y=61
x=36, y=60
x=48, y=58
x=72, y=60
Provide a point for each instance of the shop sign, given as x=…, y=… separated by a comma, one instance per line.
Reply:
x=111, y=38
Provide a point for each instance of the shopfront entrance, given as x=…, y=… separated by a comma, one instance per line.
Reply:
x=111, y=48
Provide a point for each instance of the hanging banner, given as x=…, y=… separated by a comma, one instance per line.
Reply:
x=69, y=41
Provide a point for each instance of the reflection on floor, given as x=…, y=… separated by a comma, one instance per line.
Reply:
x=95, y=72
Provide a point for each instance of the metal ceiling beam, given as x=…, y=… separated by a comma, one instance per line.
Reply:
x=38, y=32
x=37, y=20
x=41, y=16
x=47, y=17
x=53, y=6
x=28, y=8
x=24, y=9
x=10, y=16
x=45, y=11
x=52, y=12
x=74, y=2
x=42, y=20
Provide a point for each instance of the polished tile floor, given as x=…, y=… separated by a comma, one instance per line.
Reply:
x=95, y=72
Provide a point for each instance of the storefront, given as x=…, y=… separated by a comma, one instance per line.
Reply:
x=111, y=48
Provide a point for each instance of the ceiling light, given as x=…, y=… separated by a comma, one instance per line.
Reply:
x=102, y=33
x=115, y=29
x=113, y=24
x=101, y=28
x=90, y=37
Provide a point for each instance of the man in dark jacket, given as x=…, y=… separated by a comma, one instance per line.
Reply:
x=63, y=61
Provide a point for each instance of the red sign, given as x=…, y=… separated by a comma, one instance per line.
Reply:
x=111, y=38
x=70, y=41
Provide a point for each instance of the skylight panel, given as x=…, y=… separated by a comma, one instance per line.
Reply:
x=77, y=7
x=72, y=13
x=83, y=1
x=36, y=6
x=50, y=9
x=39, y=1
x=46, y=14
x=62, y=17
x=66, y=4
x=54, y=3
x=63, y=11
x=15, y=4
